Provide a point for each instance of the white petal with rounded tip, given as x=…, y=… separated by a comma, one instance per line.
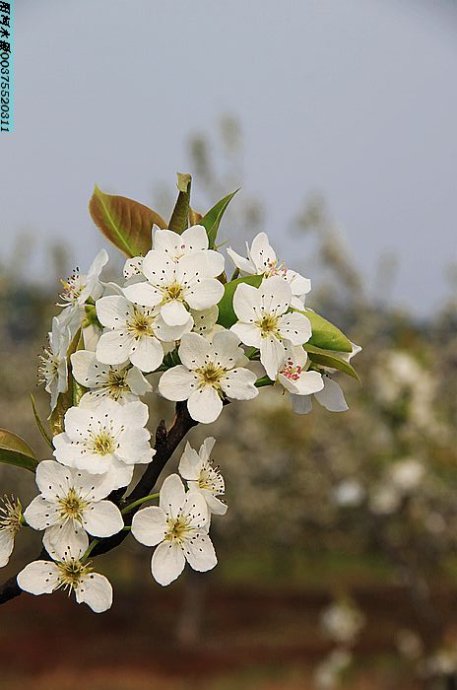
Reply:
x=275, y=295
x=216, y=506
x=331, y=396
x=166, y=241
x=301, y=404
x=207, y=448
x=262, y=254
x=41, y=513
x=226, y=349
x=200, y=552
x=149, y=526
x=298, y=284
x=295, y=327
x=144, y=294
x=102, y=519
x=95, y=590
x=194, y=350
x=39, y=577
x=177, y=383
x=52, y=479
x=159, y=268
x=204, y=405
x=147, y=354
x=134, y=446
x=240, y=262
x=172, y=495
x=6, y=546
x=246, y=303
x=307, y=383
x=194, y=238
x=113, y=311
x=137, y=383
x=133, y=414
x=240, y=384
x=247, y=333
x=205, y=294
x=196, y=509
x=190, y=464
x=87, y=370
x=167, y=563
x=65, y=539
x=271, y=356
x=174, y=313
x=114, y=347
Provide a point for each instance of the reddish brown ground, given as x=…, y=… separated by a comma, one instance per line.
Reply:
x=248, y=640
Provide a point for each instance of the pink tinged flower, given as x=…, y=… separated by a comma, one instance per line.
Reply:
x=210, y=371
x=109, y=438
x=134, y=333
x=294, y=376
x=178, y=527
x=265, y=323
x=331, y=397
x=69, y=573
x=176, y=287
x=120, y=382
x=200, y=474
x=262, y=260
x=10, y=524
x=191, y=241
x=53, y=369
x=70, y=505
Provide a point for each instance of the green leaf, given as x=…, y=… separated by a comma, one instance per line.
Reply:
x=125, y=222
x=39, y=423
x=15, y=451
x=212, y=219
x=325, y=334
x=180, y=216
x=227, y=316
x=326, y=359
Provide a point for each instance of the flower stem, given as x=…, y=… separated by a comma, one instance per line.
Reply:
x=139, y=502
x=264, y=381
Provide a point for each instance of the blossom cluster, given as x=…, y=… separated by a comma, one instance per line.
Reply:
x=163, y=328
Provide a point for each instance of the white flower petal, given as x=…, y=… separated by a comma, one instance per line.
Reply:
x=271, y=355
x=95, y=590
x=331, y=396
x=249, y=334
x=204, y=405
x=239, y=384
x=102, y=519
x=301, y=404
x=167, y=563
x=53, y=480
x=143, y=293
x=149, y=526
x=64, y=540
x=177, y=383
x=138, y=384
x=215, y=505
x=295, y=327
x=190, y=464
x=199, y=552
x=114, y=347
x=41, y=513
x=87, y=370
x=262, y=253
x=39, y=577
x=205, y=294
x=196, y=509
x=172, y=495
x=147, y=354
x=207, y=448
x=246, y=303
x=194, y=350
x=6, y=546
x=113, y=311
x=174, y=313
x=159, y=268
x=275, y=295
x=240, y=262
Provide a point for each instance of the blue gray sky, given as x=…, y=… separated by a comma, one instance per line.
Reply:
x=353, y=99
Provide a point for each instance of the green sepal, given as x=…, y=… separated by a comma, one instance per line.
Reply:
x=326, y=335
x=227, y=316
x=324, y=358
x=179, y=220
x=15, y=451
x=124, y=222
x=211, y=220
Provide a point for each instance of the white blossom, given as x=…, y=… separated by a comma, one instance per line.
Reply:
x=70, y=505
x=10, y=524
x=192, y=241
x=262, y=260
x=178, y=527
x=53, y=369
x=176, y=287
x=264, y=321
x=293, y=373
x=68, y=573
x=109, y=438
x=121, y=382
x=200, y=474
x=134, y=333
x=78, y=288
x=210, y=371
x=205, y=322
